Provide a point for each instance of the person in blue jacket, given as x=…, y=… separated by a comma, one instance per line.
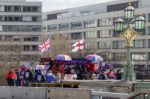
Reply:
x=50, y=78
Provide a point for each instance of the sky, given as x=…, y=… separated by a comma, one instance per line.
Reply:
x=50, y=5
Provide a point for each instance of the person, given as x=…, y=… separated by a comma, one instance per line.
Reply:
x=50, y=78
x=11, y=77
x=111, y=74
x=28, y=77
x=18, y=74
x=119, y=74
x=57, y=77
x=39, y=77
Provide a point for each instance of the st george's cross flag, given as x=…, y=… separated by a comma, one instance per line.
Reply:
x=78, y=46
x=45, y=46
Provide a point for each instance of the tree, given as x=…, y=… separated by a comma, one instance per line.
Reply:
x=59, y=44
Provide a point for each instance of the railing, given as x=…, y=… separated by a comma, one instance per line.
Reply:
x=141, y=94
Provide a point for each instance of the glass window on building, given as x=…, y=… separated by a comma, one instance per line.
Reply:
x=1, y=8
x=90, y=45
x=1, y=37
x=64, y=26
x=52, y=27
x=16, y=38
x=27, y=18
x=104, y=45
x=17, y=8
x=139, y=43
x=148, y=30
x=118, y=44
x=35, y=9
x=27, y=48
x=107, y=56
x=21, y=28
x=77, y=35
x=119, y=56
x=105, y=22
x=90, y=23
x=138, y=56
x=27, y=9
x=8, y=8
x=76, y=25
x=8, y=37
x=90, y=34
x=148, y=43
x=35, y=47
x=104, y=33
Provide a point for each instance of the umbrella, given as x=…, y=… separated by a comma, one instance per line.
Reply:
x=62, y=57
x=94, y=58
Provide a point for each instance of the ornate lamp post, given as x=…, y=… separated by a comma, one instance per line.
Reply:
x=128, y=33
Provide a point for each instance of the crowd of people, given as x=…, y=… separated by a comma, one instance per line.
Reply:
x=24, y=76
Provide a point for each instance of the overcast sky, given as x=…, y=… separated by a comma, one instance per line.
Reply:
x=49, y=5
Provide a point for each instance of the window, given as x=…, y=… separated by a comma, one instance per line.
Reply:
x=105, y=22
x=1, y=8
x=52, y=27
x=1, y=37
x=119, y=56
x=118, y=44
x=90, y=34
x=104, y=33
x=17, y=19
x=21, y=28
x=27, y=9
x=90, y=45
x=8, y=38
x=148, y=17
x=27, y=18
x=138, y=56
x=90, y=23
x=35, y=9
x=8, y=9
x=77, y=35
x=26, y=47
x=139, y=43
x=76, y=25
x=103, y=45
x=35, y=47
x=16, y=38
x=64, y=26
x=17, y=8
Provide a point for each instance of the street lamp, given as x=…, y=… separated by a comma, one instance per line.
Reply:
x=128, y=33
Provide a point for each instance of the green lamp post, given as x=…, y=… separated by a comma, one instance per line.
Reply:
x=128, y=33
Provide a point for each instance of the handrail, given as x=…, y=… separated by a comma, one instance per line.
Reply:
x=137, y=93
x=122, y=95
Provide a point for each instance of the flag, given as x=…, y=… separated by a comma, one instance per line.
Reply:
x=78, y=46
x=45, y=46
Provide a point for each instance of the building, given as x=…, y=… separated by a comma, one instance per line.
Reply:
x=95, y=24
x=20, y=29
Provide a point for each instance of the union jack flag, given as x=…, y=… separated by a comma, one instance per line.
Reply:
x=45, y=46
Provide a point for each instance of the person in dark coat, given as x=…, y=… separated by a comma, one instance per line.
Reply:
x=119, y=74
x=28, y=77
x=19, y=77
x=39, y=77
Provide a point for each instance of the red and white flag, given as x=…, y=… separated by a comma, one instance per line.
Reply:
x=78, y=46
x=45, y=46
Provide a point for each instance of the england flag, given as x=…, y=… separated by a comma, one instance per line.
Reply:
x=78, y=46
